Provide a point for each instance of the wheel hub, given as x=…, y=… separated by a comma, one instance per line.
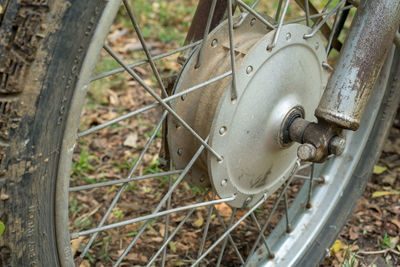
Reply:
x=273, y=87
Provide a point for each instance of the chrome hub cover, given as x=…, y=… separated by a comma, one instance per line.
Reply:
x=247, y=132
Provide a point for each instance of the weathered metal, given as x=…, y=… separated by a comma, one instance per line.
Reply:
x=198, y=108
x=367, y=45
x=319, y=140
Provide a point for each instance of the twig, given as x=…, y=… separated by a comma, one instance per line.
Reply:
x=379, y=252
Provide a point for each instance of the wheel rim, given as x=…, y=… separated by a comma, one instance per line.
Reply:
x=278, y=241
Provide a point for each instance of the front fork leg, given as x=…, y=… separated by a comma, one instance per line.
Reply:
x=342, y=105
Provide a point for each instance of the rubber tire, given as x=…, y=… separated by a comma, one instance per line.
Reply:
x=40, y=59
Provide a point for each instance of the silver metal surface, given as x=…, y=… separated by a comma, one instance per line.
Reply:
x=289, y=76
x=198, y=108
x=337, y=172
x=367, y=46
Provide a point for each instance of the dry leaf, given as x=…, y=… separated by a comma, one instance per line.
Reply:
x=353, y=233
x=75, y=244
x=131, y=140
x=84, y=263
x=395, y=222
x=224, y=209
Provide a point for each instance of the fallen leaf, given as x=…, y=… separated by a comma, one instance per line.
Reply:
x=136, y=257
x=199, y=222
x=395, y=222
x=224, y=209
x=131, y=140
x=353, y=233
x=2, y=228
x=75, y=244
x=337, y=246
x=385, y=193
x=156, y=239
x=379, y=169
x=84, y=263
x=172, y=246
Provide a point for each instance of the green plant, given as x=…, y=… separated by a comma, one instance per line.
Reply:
x=386, y=241
x=349, y=258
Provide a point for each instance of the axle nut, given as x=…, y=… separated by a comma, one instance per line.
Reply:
x=306, y=152
x=337, y=145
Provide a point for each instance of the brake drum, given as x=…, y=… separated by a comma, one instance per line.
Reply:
x=246, y=131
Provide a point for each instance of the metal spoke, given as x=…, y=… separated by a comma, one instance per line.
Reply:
x=221, y=253
x=290, y=178
x=232, y=51
x=205, y=231
x=303, y=177
x=123, y=117
x=314, y=16
x=288, y=226
x=335, y=24
x=278, y=30
x=121, y=181
x=118, y=195
x=206, y=32
x=323, y=10
x=166, y=242
x=166, y=106
x=145, y=48
x=165, y=198
x=166, y=231
x=229, y=230
x=244, y=15
x=255, y=14
x=308, y=205
x=150, y=216
x=308, y=13
x=165, y=100
x=142, y=62
x=270, y=254
x=318, y=27
x=221, y=221
x=278, y=10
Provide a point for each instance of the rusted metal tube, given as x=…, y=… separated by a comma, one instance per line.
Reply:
x=365, y=50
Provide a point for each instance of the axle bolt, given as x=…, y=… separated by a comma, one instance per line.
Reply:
x=306, y=152
x=337, y=145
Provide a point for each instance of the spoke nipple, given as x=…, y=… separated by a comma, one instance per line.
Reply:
x=271, y=256
x=289, y=230
x=183, y=97
x=252, y=21
x=308, y=206
x=306, y=152
x=337, y=145
x=214, y=43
